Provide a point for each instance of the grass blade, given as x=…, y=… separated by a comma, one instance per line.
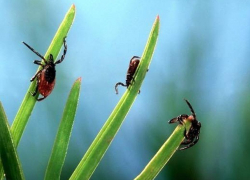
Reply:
x=61, y=143
x=9, y=157
x=164, y=154
x=104, y=138
x=29, y=101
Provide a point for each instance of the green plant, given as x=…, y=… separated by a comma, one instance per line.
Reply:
x=29, y=101
x=10, y=137
x=164, y=154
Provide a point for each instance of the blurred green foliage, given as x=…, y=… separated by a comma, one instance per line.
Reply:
x=202, y=55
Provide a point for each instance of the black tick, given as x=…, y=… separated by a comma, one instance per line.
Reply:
x=192, y=137
x=46, y=76
x=133, y=64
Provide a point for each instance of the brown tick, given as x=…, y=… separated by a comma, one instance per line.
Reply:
x=192, y=136
x=46, y=76
x=133, y=64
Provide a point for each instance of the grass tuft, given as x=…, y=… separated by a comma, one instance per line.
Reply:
x=99, y=146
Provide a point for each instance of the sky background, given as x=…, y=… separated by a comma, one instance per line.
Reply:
x=202, y=55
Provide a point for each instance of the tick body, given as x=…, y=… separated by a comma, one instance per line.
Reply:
x=192, y=136
x=46, y=76
x=133, y=64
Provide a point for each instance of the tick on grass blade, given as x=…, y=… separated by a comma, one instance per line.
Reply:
x=46, y=76
x=192, y=136
x=133, y=64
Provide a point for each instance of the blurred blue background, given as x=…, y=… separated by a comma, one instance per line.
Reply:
x=202, y=54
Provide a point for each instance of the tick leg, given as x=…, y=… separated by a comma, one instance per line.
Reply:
x=40, y=99
x=34, y=51
x=196, y=140
x=64, y=52
x=116, y=86
x=177, y=119
x=132, y=81
x=51, y=59
x=38, y=63
x=191, y=108
x=135, y=57
x=32, y=79
x=173, y=120
x=185, y=133
x=191, y=144
x=184, y=148
x=34, y=93
x=186, y=142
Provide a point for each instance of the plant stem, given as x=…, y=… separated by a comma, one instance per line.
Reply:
x=164, y=154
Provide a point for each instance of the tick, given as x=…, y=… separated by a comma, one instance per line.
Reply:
x=133, y=64
x=192, y=137
x=46, y=76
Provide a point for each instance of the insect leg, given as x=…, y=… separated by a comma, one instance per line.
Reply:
x=191, y=108
x=191, y=144
x=40, y=99
x=38, y=63
x=34, y=51
x=116, y=86
x=32, y=79
x=64, y=52
x=34, y=93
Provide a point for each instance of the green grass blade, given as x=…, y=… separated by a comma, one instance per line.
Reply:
x=9, y=157
x=61, y=143
x=104, y=138
x=29, y=101
x=164, y=154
